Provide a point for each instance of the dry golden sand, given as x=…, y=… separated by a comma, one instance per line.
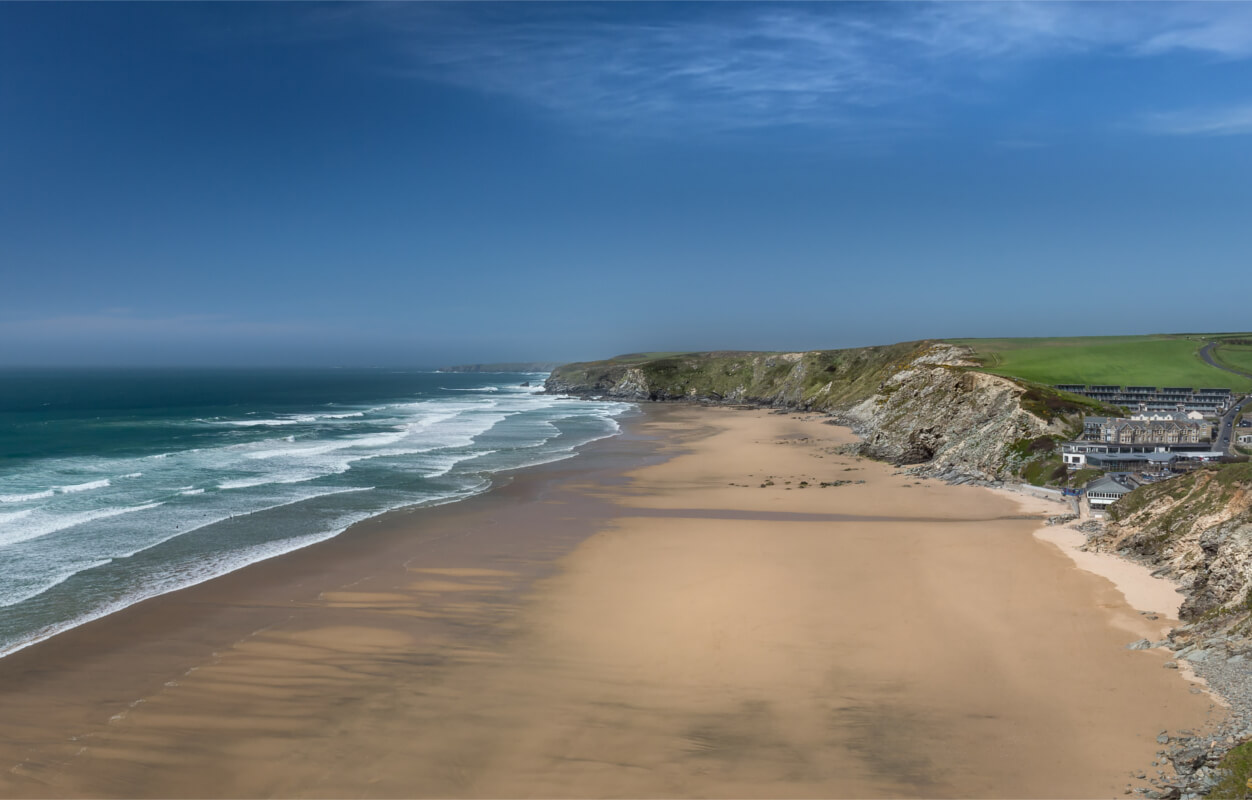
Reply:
x=711, y=637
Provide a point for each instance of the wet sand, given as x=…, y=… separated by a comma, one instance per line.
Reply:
x=645, y=620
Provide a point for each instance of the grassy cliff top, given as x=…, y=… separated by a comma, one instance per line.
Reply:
x=838, y=376
x=1154, y=360
x=1195, y=494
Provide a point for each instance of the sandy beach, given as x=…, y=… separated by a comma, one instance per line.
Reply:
x=684, y=610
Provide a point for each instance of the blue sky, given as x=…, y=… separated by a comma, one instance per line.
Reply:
x=417, y=183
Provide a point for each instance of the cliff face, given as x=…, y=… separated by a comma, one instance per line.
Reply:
x=1198, y=529
x=951, y=421
x=915, y=403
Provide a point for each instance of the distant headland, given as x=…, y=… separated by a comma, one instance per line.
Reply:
x=508, y=366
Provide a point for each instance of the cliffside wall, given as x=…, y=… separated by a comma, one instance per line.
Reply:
x=951, y=421
x=917, y=403
x=1197, y=529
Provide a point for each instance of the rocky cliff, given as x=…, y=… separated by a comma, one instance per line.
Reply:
x=951, y=421
x=1197, y=529
x=916, y=403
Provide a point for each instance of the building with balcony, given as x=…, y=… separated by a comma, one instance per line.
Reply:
x=1208, y=402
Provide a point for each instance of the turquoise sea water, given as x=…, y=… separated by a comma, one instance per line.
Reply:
x=116, y=485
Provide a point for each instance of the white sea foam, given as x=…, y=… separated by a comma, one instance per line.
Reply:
x=443, y=465
x=454, y=441
x=12, y=598
x=83, y=487
x=247, y=483
x=368, y=440
x=235, y=515
x=300, y=473
x=10, y=516
x=26, y=498
x=253, y=423
x=191, y=575
x=288, y=419
x=72, y=488
x=45, y=523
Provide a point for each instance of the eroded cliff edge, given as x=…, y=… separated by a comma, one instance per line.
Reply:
x=916, y=404
x=1197, y=530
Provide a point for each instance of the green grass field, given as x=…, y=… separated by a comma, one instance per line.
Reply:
x=1159, y=360
x=1236, y=356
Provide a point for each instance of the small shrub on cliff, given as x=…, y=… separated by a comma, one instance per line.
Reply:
x=1083, y=476
x=1236, y=771
x=1048, y=403
x=1041, y=472
x=1044, y=444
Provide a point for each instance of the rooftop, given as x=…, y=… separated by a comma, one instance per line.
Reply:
x=1109, y=485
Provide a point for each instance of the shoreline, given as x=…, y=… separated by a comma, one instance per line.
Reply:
x=139, y=648
x=680, y=609
x=496, y=481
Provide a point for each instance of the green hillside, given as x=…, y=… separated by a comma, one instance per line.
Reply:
x=816, y=379
x=1156, y=360
x=1235, y=356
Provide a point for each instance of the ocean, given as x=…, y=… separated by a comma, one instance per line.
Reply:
x=119, y=485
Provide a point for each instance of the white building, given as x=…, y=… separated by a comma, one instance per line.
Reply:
x=1144, y=415
x=1103, y=492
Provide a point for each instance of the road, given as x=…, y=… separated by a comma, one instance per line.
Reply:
x=1225, y=429
x=1206, y=353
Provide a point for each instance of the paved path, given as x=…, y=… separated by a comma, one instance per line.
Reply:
x=1226, y=428
x=1206, y=353
x=1225, y=425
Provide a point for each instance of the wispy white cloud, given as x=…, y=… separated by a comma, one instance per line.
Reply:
x=741, y=66
x=1233, y=121
x=1196, y=27
x=780, y=69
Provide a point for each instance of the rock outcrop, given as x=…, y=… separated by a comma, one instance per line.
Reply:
x=948, y=420
x=1197, y=529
